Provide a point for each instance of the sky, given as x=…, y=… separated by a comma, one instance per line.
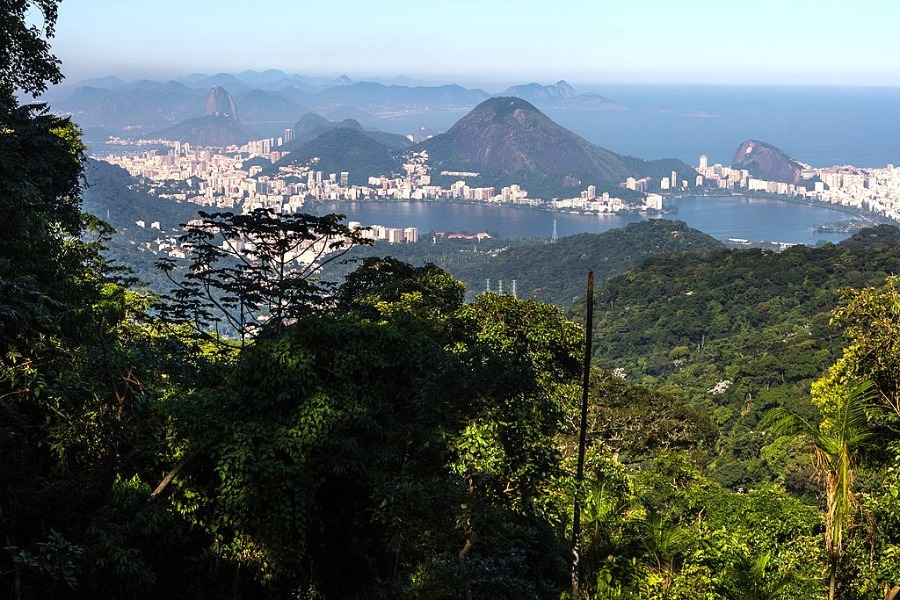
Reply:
x=485, y=42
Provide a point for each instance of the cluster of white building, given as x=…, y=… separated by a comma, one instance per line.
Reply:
x=392, y=235
x=237, y=176
x=875, y=190
x=589, y=201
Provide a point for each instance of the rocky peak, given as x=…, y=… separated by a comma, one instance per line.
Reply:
x=765, y=161
x=220, y=102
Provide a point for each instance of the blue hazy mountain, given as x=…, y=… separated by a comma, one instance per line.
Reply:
x=345, y=149
x=310, y=126
x=560, y=95
x=219, y=126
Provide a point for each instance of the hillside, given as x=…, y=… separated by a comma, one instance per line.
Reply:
x=217, y=130
x=115, y=196
x=507, y=140
x=765, y=161
x=754, y=323
x=557, y=273
x=345, y=149
x=310, y=126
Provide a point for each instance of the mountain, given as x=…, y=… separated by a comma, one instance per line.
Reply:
x=737, y=332
x=592, y=101
x=211, y=130
x=311, y=126
x=258, y=106
x=507, y=140
x=220, y=102
x=375, y=95
x=138, y=105
x=560, y=95
x=767, y=162
x=224, y=80
x=345, y=149
x=538, y=94
x=116, y=197
x=557, y=272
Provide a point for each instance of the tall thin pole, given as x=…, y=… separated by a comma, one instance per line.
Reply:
x=582, y=435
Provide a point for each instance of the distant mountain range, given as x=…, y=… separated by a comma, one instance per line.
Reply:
x=505, y=140
x=270, y=101
x=219, y=125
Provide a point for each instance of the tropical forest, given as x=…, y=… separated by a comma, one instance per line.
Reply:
x=703, y=423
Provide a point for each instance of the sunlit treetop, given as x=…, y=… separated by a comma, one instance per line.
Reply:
x=26, y=62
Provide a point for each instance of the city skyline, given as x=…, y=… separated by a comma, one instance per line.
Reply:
x=497, y=43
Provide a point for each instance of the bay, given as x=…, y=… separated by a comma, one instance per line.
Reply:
x=754, y=219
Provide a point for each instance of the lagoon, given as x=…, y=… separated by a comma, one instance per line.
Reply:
x=752, y=218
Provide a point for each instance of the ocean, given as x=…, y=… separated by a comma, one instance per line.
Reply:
x=820, y=126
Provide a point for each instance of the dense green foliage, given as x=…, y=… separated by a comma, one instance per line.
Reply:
x=555, y=272
x=398, y=442
x=543, y=271
x=736, y=333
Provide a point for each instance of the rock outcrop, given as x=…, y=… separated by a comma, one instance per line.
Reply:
x=765, y=161
x=220, y=102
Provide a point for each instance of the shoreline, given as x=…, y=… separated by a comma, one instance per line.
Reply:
x=869, y=217
x=873, y=218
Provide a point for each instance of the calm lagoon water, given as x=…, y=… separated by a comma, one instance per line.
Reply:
x=754, y=219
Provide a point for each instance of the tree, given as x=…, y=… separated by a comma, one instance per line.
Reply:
x=836, y=442
x=872, y=319
x=25, y=59
x=254, y=271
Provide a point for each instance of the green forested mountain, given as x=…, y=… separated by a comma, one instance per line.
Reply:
x=509, y=141
x=736, y=333
x=345, y=149
x=556, y=273
x=310, y=126
x=113, y=195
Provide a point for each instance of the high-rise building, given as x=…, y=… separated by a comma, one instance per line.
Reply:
x=704, y=162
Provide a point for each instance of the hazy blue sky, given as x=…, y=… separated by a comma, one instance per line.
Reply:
x=664, y=41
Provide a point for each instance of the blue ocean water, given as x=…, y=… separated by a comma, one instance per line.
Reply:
x=821, y=126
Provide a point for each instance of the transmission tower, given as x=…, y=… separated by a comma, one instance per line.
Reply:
x=554, y=238
x=515, y=295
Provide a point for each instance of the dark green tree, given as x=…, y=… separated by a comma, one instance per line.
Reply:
x=253, y=271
